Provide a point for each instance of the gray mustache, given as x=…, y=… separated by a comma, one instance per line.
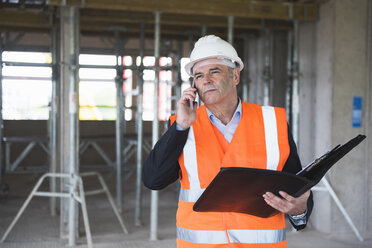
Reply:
x=209, y=88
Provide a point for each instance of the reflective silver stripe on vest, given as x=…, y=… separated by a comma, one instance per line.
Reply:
x=271, y=138
x=202, y=236
x=235, y=236
x=189, y=155
x=256, y=236
x=190, y=195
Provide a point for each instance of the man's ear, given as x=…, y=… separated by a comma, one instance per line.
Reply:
x=236, y=76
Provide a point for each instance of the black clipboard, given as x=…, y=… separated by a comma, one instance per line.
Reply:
x=240, y=189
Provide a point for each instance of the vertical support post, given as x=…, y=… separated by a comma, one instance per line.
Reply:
x=2, y=164
x=191, y=46
x=204, y=30
x=267, y=68
x=179, y=76
x=230, y=29
x=53, y=118
x=69, y=121
x=74, y=33
x=119, y=123
x=296, y=84
x=155, y=125
x=246, y=79
x=288, y=92
x=191, y=41
x=367, y=113
x=137, y=214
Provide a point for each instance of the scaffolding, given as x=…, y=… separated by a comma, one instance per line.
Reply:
x=64, y=136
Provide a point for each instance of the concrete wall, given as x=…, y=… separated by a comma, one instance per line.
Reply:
x=338, y=72
x=349, y=80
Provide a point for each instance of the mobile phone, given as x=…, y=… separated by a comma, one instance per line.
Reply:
x=193, y=102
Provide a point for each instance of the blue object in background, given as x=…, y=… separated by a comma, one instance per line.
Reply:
x=357, y=111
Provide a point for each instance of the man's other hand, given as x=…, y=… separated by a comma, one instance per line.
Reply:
x=288, y=204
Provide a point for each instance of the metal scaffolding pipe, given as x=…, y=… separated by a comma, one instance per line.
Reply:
x=288, y=92
x=155, y=125
x=69, y=121
x=137, y=214
x=119, y=123
x=204, y=30
x=296, y=84
x=191, y=46
x=78, y=196
x=28, y=64
x=267, y=67
x=246, y=79
x=53, y=117
x=179, y=76
x=230, y=29
x=74, y=33
x=1, y=114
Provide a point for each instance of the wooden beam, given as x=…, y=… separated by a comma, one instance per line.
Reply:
x=238, y=8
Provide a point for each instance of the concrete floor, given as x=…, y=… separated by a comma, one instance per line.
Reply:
x=37, y=228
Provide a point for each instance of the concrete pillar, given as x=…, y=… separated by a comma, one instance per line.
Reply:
x=337, y=65
x=349, y=80
x=368, y=121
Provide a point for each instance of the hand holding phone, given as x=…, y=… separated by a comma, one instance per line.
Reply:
x=186, y=107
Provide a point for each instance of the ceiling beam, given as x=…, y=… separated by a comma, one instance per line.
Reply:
x=177, y=20
x=25, y=19
x=104, y=20
x=239, y=8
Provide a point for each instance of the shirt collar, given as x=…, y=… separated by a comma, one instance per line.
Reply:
x=237, y=113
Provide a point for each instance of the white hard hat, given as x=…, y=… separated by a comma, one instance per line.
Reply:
x=212, y=46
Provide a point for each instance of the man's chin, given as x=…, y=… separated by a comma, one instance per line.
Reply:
x=209, y=100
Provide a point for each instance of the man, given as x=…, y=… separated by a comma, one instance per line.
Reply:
x=224, y=132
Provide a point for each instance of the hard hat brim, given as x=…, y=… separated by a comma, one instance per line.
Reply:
x=190, y=65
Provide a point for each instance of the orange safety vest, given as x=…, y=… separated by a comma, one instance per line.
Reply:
x=260, y=141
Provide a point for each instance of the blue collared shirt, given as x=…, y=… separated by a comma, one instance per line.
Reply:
x=227, y=130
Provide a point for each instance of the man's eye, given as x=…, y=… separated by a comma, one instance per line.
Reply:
x=215, y=71
x=197, y=76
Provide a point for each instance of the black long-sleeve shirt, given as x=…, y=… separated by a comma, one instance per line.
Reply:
x=161, y=167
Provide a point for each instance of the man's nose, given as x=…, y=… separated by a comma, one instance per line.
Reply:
x=207, y=78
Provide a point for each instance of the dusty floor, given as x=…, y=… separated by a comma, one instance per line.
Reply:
x=37, y=228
